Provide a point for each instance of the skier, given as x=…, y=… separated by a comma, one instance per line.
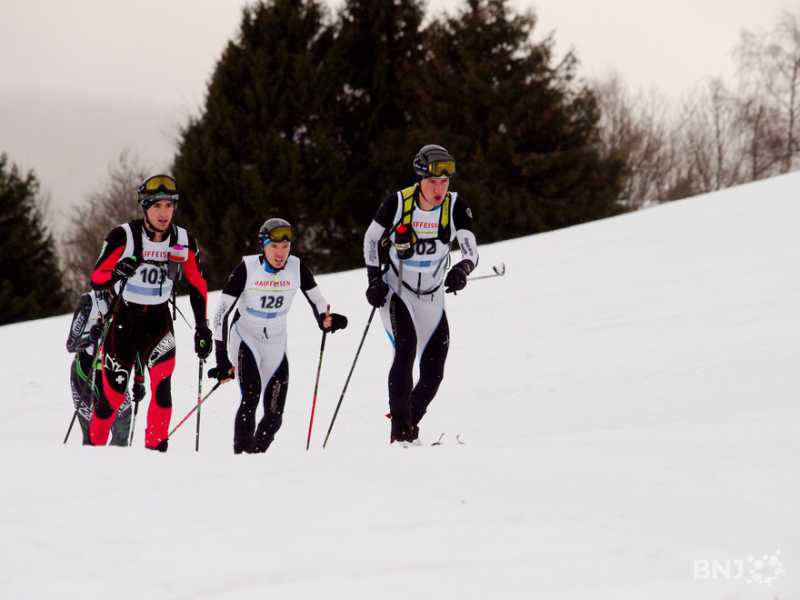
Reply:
x=84, y=333
x=142, y=260
x=264, y=286
x=407, y=251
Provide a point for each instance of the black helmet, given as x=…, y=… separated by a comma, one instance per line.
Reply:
x=157, y=187
x=434, y=161
x=275, y=230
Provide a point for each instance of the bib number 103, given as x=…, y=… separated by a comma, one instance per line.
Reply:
x=153, y=275
x=271, y=301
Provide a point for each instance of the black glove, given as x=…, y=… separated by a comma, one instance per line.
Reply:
x=224, y=368
x=337, y=322
x=95, y=332
x=376, y=292
x=456, y=279
x=202, y=340
x=126, y=267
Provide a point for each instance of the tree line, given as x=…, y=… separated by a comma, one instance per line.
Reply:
x=722, y=134
x=315, y=116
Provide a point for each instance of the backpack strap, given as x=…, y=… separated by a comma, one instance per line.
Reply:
x=174, y=239
x=407, y=197
x=137, y=232
x=444, y=220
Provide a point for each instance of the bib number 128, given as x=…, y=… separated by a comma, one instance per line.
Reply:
x=271, y=301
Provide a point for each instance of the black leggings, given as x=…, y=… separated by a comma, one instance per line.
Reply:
x=246, y=437
x=409, y=402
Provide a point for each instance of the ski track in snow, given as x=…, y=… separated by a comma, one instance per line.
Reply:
x=628, y=395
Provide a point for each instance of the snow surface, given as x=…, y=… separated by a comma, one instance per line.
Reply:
x=628, y=395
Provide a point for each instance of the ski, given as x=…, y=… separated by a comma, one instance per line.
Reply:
x=440, y=440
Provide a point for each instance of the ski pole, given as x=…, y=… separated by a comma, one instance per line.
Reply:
x=316, y=383
x=133, y=422
x=138, y=395
x=199, y=395
x=347, y=382
x=499, y=270
x=194, y=408
x=71, y=423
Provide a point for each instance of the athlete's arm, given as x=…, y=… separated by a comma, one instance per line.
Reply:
x=227, y=301
x=113, y=247
x=462, y=221
x=79, y=336
x=198, y=288
x=312, y=292
x=383, y=221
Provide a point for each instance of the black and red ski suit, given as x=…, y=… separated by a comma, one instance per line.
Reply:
x=141, y=327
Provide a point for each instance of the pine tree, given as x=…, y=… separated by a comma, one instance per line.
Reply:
x=31, y=286
x=265, y=145
x=380, y=48
x=524, y=132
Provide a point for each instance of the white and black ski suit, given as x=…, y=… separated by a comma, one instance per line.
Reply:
x=253, y=338
x=414, y=314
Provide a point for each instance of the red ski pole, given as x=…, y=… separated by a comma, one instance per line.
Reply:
x=316, y=383
x=194, y=408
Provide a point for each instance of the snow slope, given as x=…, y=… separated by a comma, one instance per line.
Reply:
x=628, y=395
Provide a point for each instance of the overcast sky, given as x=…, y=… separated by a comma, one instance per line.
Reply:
x=83, y=80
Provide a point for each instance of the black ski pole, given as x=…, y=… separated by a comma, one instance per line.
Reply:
x=199, y=396
x=133, y=421
x=499, y=270
x=71, y=423
x=138, y=395
x=347, y=382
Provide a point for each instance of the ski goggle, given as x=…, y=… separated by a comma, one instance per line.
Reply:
x=159, y=183
x=442, y=168
x=282, y=233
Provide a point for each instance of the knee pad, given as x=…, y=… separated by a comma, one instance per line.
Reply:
x=103, y=409
x=164, y=393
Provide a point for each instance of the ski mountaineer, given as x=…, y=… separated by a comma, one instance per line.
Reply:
x=84, y=332
x=264, y=286
x=407, y=252
x=142, y=260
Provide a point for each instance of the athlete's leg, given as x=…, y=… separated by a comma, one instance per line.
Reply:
x=400, y=374
x=121, y=429
x=431, y=370
x=80, y=372
x=157, y=343
x=274, y=402
x=117, y=359
x=250, y=386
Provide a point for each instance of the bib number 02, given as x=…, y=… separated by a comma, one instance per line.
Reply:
x=425, y=247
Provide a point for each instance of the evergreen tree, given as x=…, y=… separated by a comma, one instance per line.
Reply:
x=31, y=286
x=265, y=144
x=379, y=50
x=317, y=121
x=524, y=132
